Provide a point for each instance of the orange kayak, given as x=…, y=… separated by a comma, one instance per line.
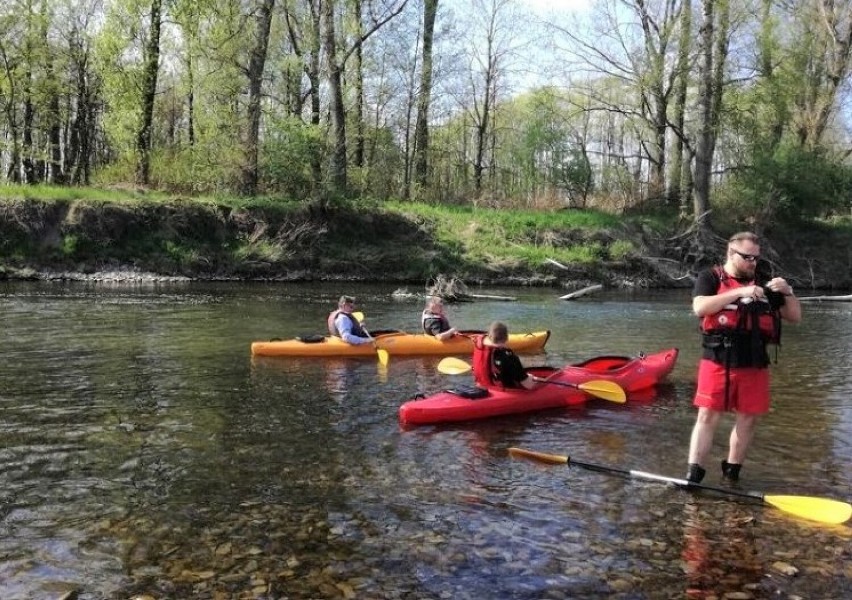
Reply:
x=397, y=343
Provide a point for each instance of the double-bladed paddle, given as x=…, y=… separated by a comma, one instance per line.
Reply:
x=824, y=510
x=383, y=354
x=599, y=388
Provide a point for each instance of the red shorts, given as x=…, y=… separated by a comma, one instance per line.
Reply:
x=748, y=389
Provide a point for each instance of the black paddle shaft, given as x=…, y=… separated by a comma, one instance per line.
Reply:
x=551, y=382
x=685, y=483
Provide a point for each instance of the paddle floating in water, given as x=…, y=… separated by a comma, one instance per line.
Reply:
x=824, y=510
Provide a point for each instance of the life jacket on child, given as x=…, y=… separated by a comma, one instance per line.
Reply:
x=484, y=372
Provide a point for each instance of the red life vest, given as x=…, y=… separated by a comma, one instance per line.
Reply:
x=484, y=373
x=743, y=315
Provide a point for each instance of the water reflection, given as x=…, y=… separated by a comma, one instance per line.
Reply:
x=142, y=451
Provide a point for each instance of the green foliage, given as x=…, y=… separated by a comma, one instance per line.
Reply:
x=287, y=156
x=199, y=169
x=789, y=185
x=380, y=176
x=621, y=249
x=180, y=253
x=70, y=245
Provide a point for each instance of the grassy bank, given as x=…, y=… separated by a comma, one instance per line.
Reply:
x=83, y=230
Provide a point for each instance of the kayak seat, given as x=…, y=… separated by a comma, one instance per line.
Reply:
x=470, y=392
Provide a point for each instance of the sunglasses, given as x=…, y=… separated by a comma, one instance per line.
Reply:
x=747, y=257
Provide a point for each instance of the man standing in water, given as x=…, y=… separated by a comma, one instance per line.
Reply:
x=739, y=317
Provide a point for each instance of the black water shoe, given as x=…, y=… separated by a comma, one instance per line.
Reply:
x=696, y=473
x=731, y=471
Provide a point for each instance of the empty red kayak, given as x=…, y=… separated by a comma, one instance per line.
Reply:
x=466, y=403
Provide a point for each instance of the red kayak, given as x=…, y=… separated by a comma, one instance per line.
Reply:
x=468, y=403
x=632, y=374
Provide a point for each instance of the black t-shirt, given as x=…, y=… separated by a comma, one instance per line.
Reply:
x=510, y=371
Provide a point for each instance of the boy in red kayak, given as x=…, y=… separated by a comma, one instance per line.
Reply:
x=494, y=363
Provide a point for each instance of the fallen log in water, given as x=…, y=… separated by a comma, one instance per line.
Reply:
x=826, y=298
x=586, y=290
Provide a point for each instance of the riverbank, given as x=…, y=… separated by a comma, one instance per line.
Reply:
x=141, y=238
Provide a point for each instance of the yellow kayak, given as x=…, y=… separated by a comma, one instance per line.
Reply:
x=398, y=343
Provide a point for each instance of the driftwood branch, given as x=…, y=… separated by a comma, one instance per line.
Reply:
x=582, y=292
x=826, y=299
x=486, y=296
x=558, y=264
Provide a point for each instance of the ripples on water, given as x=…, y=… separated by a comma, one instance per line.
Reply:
x=143, y=451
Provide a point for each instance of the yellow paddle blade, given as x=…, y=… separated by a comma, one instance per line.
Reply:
x=453, y=366
x=553, y=459
x=384, y=357
x=824, y=510
x=359, y=316
x=606, y=390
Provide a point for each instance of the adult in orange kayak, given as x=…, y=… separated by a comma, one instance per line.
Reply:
x=342, y=323
x=494, y=363
x=739, y=317
x=435, y=322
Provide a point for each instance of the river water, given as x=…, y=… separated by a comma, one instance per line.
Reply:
x=144, y=452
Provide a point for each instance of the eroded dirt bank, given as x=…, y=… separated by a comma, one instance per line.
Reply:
x=190, y=240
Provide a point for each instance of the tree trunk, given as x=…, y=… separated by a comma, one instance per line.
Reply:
x=421, y=128
x=190, y=99
x=338, y=159
x=77, y=156
x=149, y=93
x=306, y=43
x=257, y=62
x=704, y=145
x=679, y=165
x=316, y=115
x=714, y=52
x=359, y=86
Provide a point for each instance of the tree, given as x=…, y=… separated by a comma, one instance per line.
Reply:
x=336, y=63
x=824, y=58
x=634, y=42
x=491, y=45
x=424, y=93
x=150, y=72
x=254, y=73
x=304, y=34
x=713, y=44
x=679, y=178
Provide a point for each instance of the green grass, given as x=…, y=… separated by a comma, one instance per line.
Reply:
x=130, y=195
x=458, y=235
x=525, y=236
x=57, y=193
